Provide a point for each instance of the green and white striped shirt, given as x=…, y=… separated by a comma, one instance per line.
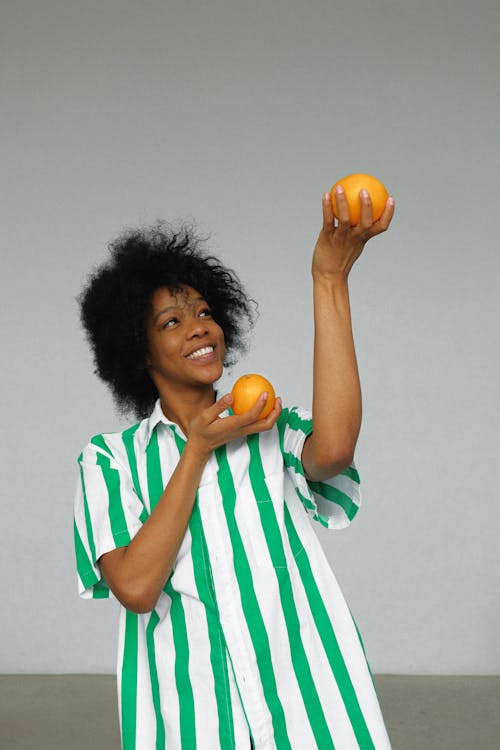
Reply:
x=251, y=634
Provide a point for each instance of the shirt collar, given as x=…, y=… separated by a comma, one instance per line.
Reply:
x=158, y=416
x=155, y=418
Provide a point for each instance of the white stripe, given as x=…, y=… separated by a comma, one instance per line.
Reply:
x=336, y=515
x=241, y=730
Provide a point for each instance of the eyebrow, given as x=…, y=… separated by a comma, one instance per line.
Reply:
x=174, y=307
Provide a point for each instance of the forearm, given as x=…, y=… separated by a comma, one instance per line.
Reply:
x=150, y=556
x=336, y=386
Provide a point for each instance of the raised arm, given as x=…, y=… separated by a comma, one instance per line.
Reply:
x=336, y=386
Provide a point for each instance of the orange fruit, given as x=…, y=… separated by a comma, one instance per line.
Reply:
x=352, y=185
x=247, y=390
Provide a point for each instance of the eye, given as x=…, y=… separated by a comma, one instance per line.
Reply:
x=167, y=323
x=206, y=311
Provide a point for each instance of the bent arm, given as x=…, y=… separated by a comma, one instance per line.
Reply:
x=137, y=574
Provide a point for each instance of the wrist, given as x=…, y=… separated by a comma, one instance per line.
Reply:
x=334, y=280
x=195, y=453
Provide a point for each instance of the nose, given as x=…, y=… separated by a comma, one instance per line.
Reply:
x=198, y=327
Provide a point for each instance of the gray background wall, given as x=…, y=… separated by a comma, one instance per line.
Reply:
x=240, y=115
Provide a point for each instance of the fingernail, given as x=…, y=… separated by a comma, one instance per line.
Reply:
x=391, y=200
x=364, y=193
x=339, y=189
x=264, y=395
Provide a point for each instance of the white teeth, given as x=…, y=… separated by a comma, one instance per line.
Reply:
x=201, y=352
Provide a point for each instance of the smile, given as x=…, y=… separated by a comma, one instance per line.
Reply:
x=203, y=352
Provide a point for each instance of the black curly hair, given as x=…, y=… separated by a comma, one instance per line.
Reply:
x=116, y=301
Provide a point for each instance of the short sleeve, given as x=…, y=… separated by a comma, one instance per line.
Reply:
x=334, y=502
x=107, y=514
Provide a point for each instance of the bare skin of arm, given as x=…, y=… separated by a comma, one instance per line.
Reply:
x=137, y=574
x=336, y=386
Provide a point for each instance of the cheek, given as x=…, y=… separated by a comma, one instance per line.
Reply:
x=157, y=351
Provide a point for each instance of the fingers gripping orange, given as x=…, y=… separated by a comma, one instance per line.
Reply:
x=247, y=390
x=352, y=185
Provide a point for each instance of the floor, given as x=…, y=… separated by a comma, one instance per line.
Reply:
x=78, y=712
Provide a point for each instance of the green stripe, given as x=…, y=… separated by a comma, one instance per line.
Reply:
x=352, y=473
x=265, y=505
x=298, y=655
x=129, y=682
x=99, y=442
x=155, y=686
x=290, y=418
x=100, y=590
x=334, y=495
x=323, y=520
x=182, y=680
x=250, y=604
x=330, y=644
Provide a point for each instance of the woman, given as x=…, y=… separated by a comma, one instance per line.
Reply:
x=233, y=631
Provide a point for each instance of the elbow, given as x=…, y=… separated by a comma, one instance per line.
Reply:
x=139, y=604
x=139, y=608
x=342, y=457
x=138, y=599
x=137, y=592
x=332, y=464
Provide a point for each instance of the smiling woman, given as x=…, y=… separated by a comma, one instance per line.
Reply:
x=233, y=630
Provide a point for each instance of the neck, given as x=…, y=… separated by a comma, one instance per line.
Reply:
x=182, y=407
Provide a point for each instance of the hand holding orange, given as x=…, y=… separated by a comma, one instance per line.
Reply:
x=352, y=185
x=247, y=390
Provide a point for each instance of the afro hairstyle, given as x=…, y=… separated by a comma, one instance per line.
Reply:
x=116, y=302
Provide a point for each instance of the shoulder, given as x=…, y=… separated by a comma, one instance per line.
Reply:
x=115, y=446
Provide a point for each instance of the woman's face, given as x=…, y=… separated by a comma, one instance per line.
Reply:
x=179, y=326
